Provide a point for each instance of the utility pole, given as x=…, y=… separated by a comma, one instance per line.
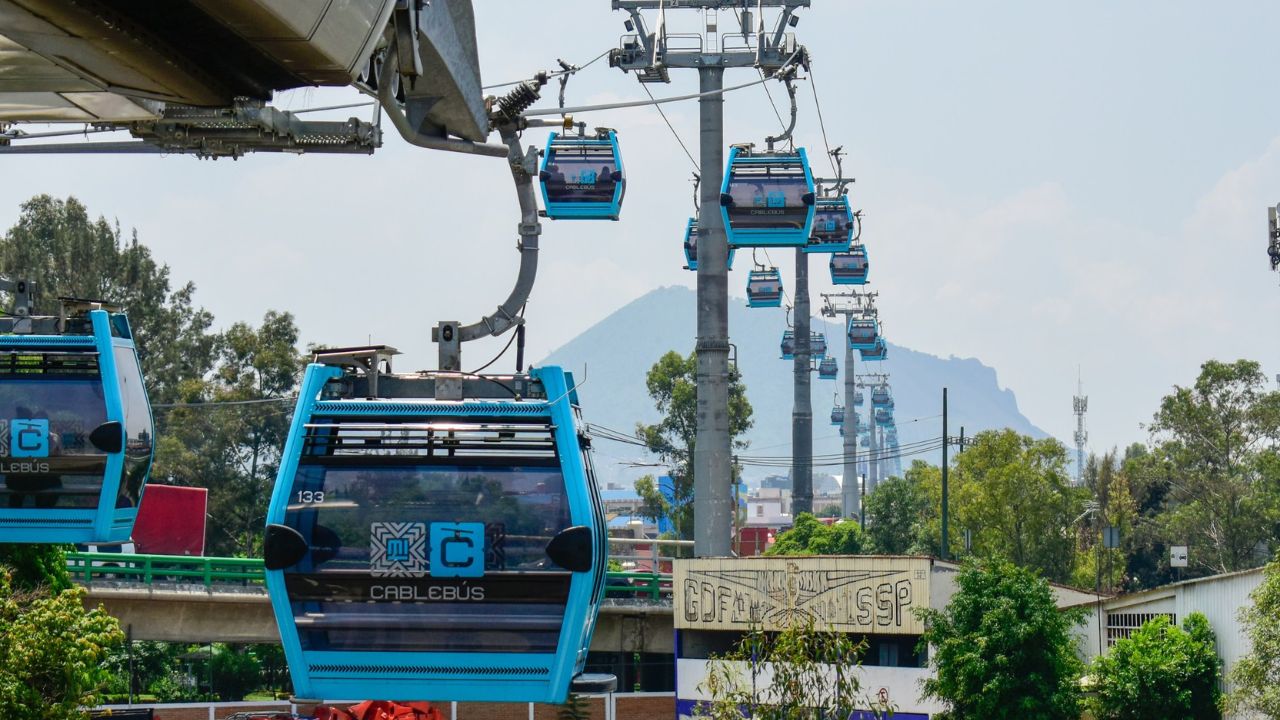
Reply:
x=649, y=56
x=946, y=440
x=1081, y=404
x=845, y=305
x=802, y=408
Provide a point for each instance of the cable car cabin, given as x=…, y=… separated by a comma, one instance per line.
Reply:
x=880, y=397
x=582, y=177
x=828, y=369
x=863, y=333
x=850, y=268
x=879, y=352
x=764, y=288
x=857, y=398
x=767, y=199
x=76, y=430
x=884, y=418
x=691, y=247
x=421, y=549
x=788, y=344
x=832, y=226
x=837, y=415
x=817, y=344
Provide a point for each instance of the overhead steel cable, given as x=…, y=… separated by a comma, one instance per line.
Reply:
x=550, y=75
x=697, y=169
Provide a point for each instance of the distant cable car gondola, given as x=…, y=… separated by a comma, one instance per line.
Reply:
x=828, y=369
x=832, y=226
x=764, y=288
x=850, y=268
x=857, y=398
x=788, y=344
x=880, y=397
x=817, y=344
x=863, y=333
x=691, y=246
x=418, y=548
x=582, y=177
x=75, y=424
x=837, y=415
x=883, y=417
x=767, y=198
x=879, y=351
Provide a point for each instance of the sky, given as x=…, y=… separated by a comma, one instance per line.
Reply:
x=1048, y=187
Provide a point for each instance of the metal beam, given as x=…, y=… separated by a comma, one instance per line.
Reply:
x=802, y=408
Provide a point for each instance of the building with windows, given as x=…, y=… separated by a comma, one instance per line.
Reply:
x=872, y=597
x=1218, y=597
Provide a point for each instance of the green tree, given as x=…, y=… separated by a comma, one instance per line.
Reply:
x=811, y=536
x=236, y=672
x=672, y=384
x=813, y=674
x=36, y=567
x=55, y=244
x=1218, y=439
x=52, y=652
x=1257, y=675
x=1012, y=493
x=1001, y=648
x=1161, y=671
x=900, y=511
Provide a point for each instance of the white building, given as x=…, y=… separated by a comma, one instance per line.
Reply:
x=871, y=597
x=1219, y=598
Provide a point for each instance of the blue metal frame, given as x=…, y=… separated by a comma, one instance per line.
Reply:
x=845, y=279
x=508, y=677
x=774, y=237
x=105, y=524
x=585, y=210
x=879, y=352
x=772, y=275
x=863, y=345
x=691, y=258
x=814, y=246
x=828, y=369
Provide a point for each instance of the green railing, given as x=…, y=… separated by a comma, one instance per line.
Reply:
x=149, y=569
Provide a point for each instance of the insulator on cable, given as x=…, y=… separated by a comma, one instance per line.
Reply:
x=521, y=98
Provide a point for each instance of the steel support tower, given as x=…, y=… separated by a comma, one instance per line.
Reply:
x=846, y=305
x=870, y=381
x=802, y=407
x=647, y=54
x=1080, y=403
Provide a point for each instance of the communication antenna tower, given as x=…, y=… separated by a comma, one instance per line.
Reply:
x=1081, y=404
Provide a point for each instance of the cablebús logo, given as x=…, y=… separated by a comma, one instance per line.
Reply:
x=414, y=549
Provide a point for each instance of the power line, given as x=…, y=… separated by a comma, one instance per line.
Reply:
x=696, y=167
x=813, y=85
x=550, y=75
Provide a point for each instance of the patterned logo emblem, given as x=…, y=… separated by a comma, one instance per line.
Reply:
x=457, y=549
x=29, y=438
x=398, y=549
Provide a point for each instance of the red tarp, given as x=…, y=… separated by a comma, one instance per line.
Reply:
x=171, y=521
x=380, y=710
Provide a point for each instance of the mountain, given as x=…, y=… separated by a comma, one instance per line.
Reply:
x=610, y=361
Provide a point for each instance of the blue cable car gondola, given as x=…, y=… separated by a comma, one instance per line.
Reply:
x=75, y=425
x=764, y=288
x=817, y=344
x=863, y=333
x=788, y=344
x=832, y=226
x=419, y=549
x=883, y=418
x=767, y=199
x=879, y=351
x=582, y=177
x=850, y=268
x=691, y=247
x=857, y=398
x=880, y=397
x=837, y=415
x=828, y=369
